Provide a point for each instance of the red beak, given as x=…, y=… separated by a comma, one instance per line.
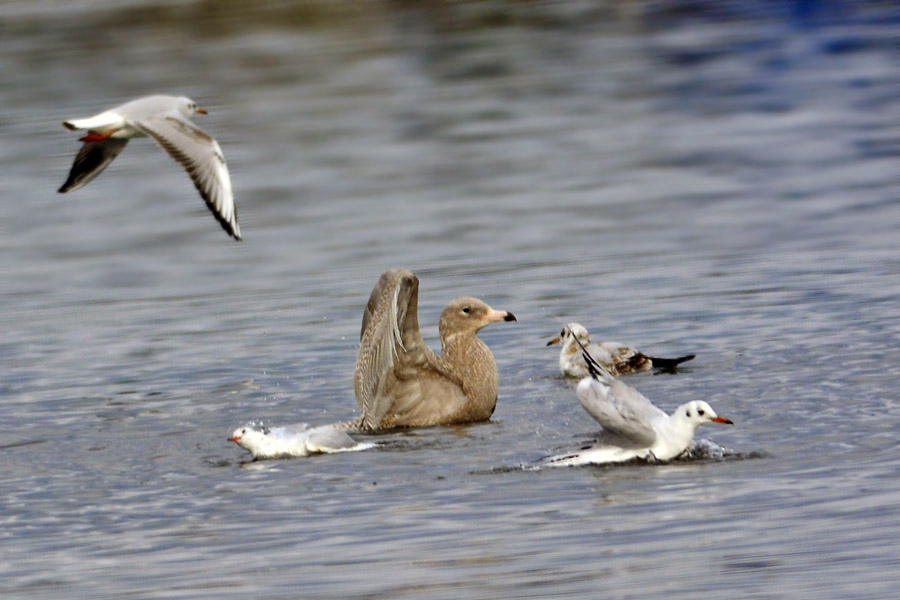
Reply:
x=722, y=420
x=234, y=439
x=553, y=341
x=202, y=111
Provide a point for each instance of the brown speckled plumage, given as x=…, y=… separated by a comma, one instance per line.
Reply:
x=400, y=382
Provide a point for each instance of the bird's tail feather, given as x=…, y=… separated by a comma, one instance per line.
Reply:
x=670, y=363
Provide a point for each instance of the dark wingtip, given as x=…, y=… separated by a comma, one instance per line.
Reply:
x=69, y=126
x=68, y=185
x=510, y=317
x=226, y=225
x=670, y=363
x=593, y=366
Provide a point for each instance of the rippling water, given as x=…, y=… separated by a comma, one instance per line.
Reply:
x=718, y=180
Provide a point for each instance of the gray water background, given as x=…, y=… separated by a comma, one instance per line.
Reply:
x=714, y=178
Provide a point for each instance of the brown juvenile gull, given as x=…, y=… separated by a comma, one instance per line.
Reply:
x=165, y=119
x=616, y=358
x=400, y=382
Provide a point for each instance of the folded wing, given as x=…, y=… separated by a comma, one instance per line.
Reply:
x=625, y=359
x=328, y=439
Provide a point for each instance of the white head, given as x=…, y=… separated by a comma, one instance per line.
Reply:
x=696, y=413
x=567, y=337
x=188, y=107
x=248, y=438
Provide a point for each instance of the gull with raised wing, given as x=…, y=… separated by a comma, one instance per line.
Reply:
x=400, y=382
x=616, y=358
x=166, y=120
x=294, y=441
x=633, y=428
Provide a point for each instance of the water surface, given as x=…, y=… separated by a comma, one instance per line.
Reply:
x=718, y=181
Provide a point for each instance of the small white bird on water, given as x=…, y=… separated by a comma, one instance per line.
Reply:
x=295, y=441
x=166, y=120
x=616, y=358
x=632, y=426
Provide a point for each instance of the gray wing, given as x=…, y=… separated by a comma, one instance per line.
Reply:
x=202, y=158
x=620, y=409
x=328, y=439
x=602, y=354
x=90, y=161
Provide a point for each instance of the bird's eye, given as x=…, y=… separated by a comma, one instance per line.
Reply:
x=688, y=413
x=243, y=431
x=700, y=412
x=467, y=310
x=562, y=332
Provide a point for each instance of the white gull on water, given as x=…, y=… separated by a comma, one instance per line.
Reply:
x=632, y=426
x=616, y=358
x=165, y=119
x=295, y=441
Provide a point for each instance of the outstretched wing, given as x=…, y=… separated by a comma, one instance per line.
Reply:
x=619, y=408
x=90, y=161
x=612, y=409
x=391, y=350
x=202, y=158
x=390, y=330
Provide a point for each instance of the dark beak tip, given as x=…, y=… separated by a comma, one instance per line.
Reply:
x=510, y=317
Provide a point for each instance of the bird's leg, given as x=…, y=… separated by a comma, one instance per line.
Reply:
x=97, y=137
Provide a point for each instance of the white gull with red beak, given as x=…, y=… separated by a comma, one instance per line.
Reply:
x=166, y=120
x=294, y=441
x=633, y=428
